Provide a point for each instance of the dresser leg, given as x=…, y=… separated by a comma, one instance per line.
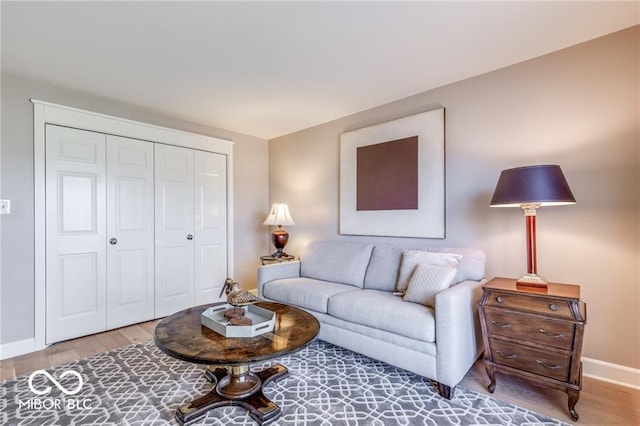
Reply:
x=491, y=372
x=574, y=396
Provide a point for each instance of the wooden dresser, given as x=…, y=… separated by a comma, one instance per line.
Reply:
x=535, y=334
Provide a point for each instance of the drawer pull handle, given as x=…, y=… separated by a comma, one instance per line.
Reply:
x=500, y=299
x=555, y=336
x=553, y=307
x=512, y=356
x=505, y=325
x=550, y=367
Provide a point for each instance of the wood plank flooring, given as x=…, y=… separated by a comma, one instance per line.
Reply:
x=71, y=350
x=600, y=403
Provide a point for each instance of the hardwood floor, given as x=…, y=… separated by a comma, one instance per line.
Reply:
x=71, y=350
x=600, y=403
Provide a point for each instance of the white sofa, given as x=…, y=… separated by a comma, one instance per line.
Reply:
x=350, y=287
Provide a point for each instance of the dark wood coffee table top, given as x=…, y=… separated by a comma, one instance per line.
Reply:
x=182, y=336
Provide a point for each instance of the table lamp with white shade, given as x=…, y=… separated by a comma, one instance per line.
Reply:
x=279, y=216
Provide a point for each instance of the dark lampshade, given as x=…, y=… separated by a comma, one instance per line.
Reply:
x=544, y=185
x=530, y=188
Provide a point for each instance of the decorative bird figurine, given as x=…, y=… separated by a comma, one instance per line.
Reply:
x=235, y=295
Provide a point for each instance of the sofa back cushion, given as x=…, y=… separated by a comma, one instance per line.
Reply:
x=382, y=273
x=336, y=261
x=384, y=267
x=471, y=267
x=413, y=258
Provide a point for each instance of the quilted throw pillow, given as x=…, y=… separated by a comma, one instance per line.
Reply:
x=427, y=281
x=411, y=258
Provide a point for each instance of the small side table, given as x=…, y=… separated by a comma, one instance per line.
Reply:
x=534, y=335
x=270, y=259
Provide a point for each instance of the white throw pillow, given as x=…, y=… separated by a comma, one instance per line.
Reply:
x=427, y=281
x=411, y=258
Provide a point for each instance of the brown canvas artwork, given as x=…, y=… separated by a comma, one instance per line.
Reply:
x=392, y=178
x=387, y=175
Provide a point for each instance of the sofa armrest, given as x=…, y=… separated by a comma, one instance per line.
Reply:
x=458, y=332
x=276, y=271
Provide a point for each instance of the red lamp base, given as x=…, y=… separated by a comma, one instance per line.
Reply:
x=279, y=238
x=531, y=281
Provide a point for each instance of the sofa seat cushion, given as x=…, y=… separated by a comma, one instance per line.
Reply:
x=384, y=311
x=375, y=334
x=306, y=293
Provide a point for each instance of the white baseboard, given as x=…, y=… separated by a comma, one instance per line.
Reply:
x=612, y=373
x=21, y=347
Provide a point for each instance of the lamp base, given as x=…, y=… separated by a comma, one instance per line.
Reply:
x=279, y=238
x=279, y=254
x=531, y=281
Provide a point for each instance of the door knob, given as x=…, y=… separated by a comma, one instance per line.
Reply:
x=113, y=241
x=189, y=237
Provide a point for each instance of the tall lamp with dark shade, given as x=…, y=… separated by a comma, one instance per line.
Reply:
x=532, y=187
x=279, y=216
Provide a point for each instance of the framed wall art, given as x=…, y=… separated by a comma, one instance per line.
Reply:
x=392, y=178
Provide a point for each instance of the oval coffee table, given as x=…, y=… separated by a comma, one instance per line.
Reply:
x=182, y=336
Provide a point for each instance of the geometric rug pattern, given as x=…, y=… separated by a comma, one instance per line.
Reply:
x=327, y=386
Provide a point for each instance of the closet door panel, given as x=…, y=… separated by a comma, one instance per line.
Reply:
x=210, y=225
x=75, y=233
x=174, y=226
x=130, y=231
x=78, y=277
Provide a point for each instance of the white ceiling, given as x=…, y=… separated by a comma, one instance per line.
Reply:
x=271, y=68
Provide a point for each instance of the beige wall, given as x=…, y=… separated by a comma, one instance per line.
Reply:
x=17, y=286
x=576, y=107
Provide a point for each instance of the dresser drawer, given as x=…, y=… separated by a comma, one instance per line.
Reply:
x=532, y=303
x=544, y=363
x=530, y=328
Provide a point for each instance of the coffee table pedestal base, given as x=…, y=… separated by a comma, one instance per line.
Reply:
x=236, y=387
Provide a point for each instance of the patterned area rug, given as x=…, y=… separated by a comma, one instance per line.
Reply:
x=326, y=385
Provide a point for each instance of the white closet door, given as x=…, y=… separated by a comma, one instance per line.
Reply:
x=174, y=228
x=130, y=230
x=210, y=225
x=75, y=233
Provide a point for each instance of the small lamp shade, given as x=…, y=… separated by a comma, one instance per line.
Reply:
x=279, y=216
x=530, y=188
x=543, y=185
